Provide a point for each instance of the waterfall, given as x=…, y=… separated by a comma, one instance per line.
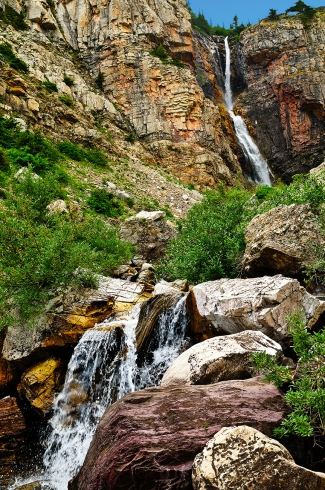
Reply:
x=260, y=169
x=102, y=369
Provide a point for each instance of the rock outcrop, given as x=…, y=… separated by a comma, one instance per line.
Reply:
x=237, y=458
x=149, y=232
x=229, y=306
x=149, y=439
x=40, y=383
x=68, y=317
x=281, y=240
x=282, y=62
x=12, y=428
x=219, y=359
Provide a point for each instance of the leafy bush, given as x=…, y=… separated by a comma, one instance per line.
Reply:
x=11, y=17
x=211, y=241
x=94, y=156
x=105, y=203
x=131, y=138
x=306, y=393
x=160, y=52
x=23, y=159
x=273, y=15
x=99, y=80
x=50, y=86
x=68, y=81
x=9, y=56
x=41, y=252
x=65, y=99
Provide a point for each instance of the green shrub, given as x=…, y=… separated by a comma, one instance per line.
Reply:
x=36, y=259
x=4, y=166
x=50, y=86
x=306, y=393
x=178, y=63
x=96, y=157
x=9, y=56
x=160, y=52
x=71, y=150
x=211, y=241
x=68, y=81
x=131, y=138
x=263, y=192
x=273, y=15
x=65, y=99
x=23, y=159
x=99, y=80
x=105, y=203
x=11, y=17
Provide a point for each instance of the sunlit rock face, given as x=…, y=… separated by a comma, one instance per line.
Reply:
x=283, y=67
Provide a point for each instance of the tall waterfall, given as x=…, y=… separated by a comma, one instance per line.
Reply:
x=259, y=166
x=103, y=368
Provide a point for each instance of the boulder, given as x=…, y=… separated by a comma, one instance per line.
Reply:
x=149, y=438
x=149, y=232
x=58, y=207
x=41, y=382
x=219, y=359
x=238, y=458
x=12, y=428
x=229, y=306
x=278, y=242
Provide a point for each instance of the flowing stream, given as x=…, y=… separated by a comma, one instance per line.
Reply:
x=261, y=172
x=103, y=368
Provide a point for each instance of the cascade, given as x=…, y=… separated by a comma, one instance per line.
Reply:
x=102, y=369
x=260, y=168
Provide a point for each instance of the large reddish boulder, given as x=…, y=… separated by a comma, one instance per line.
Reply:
x=12, y=427
x=148, y=440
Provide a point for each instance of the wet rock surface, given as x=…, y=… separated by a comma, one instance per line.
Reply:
x=280, y=241
x=12, y=441
x=229, y=306
x=219, y=359
x=237, y=458
x=150, y=438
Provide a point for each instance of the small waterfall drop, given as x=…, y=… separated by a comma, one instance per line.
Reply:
x=261, y=171
x=102, y=369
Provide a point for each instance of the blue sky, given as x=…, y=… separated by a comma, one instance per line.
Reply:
x=223, y=11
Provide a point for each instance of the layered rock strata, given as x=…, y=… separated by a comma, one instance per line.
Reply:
x=237, y=458
x=149, y=439
x=282, y=63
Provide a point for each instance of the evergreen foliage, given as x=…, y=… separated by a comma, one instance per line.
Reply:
x=8, y=55
x=9, y=16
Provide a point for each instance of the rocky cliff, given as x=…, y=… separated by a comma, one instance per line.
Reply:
x=282, y=66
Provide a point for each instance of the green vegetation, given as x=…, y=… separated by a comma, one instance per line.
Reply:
x=8, y=55
x=99, y=80
x=10, y=17
x=77, y=153
x=131, y=138
x=211, y=242
x=50, y=86
x=306, y=393
x=161, y=53
x=65, y=99
x=41, y=252
x=273, y=15
x=68, y=81
x=103, y=202
x=200, y=23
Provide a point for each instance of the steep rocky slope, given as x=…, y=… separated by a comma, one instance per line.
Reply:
x=282, y=65
x=158, y=100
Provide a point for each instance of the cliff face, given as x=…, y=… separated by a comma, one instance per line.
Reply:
x=163, y=104
x=282, y=64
